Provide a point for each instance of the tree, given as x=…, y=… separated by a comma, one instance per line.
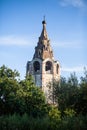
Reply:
x=33, y=97
x=81, y=105
x=8, y=73
x=20, y=96
x=73, y=91
x=8, y=88
x=65, y=92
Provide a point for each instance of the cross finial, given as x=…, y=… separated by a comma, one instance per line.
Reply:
x=44, y=17
x=43, y=22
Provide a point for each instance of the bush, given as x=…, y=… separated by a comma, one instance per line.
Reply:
x=51, y=122
x=17, y=122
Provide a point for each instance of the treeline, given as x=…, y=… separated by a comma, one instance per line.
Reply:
x=23, y=105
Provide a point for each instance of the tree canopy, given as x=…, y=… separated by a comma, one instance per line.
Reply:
x=20, y=96
x=71, y=93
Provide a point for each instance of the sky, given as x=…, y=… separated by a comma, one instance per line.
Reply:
x=21, y=25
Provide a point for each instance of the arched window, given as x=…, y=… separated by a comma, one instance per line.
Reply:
x=57, y=68
x=36, y=66
x=48, y=67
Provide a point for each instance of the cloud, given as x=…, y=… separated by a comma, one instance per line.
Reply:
x=74, y=3
x=13, y=40
x=73, y=69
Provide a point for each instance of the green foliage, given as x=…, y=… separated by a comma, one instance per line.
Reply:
x=54, y=114
x=55, y=118
x=71, y=95
x=20, y=97
x=32, y=97
x=69, y=112
x=81, y=105
x=7, y=72
x=8, y=88
x=23, y=105
x=25, y=122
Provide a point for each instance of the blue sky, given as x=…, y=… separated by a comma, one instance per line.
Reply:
x=21, y=25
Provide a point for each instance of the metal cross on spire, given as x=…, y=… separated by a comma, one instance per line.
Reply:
x=44, y=17
x=43, y=22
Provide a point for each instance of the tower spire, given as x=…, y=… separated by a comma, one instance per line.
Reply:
x=44, y=35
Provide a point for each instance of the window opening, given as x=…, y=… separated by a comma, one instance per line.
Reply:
x=36, y=66
x=48, y=67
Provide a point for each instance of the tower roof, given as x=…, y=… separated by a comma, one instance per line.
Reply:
x=43, y=49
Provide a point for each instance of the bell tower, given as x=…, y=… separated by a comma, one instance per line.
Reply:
x=43, y=67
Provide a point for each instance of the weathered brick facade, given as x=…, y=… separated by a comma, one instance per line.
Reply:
x=43, y=67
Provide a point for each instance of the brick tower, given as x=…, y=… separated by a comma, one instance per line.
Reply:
x=43, y=67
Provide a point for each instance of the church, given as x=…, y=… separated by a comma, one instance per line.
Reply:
x=43, y=67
